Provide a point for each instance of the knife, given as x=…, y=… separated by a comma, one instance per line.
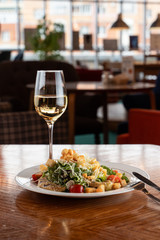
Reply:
x=146, y=180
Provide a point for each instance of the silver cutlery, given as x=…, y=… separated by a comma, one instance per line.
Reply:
x=146, y=180
x=141, y=186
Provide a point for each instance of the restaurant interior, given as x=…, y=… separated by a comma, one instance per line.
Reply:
x=109, y=56
x=92, y=67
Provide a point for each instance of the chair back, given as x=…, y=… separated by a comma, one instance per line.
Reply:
x=144, y=127
x=15, y=75
x=5, y=56
x=30, y=128
x=90, y=75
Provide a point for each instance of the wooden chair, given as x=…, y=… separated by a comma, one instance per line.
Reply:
x=144, y=127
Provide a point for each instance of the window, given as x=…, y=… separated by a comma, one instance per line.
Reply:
x=149, y=13
x=79, y=15
x=84, y=9
x=8, y=15
x=38, y=13
x=60, y=8
x=5, y=36
x=84, y=30
x=102, y=31
x=101, y=9
x=129, y=8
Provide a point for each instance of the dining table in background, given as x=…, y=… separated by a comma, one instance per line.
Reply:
x=29, y=215
x=75, y=88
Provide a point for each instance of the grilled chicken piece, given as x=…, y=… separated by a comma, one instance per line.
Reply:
x=44, y=183
x=96, y=184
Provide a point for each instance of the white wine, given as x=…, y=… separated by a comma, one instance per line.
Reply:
x=50, y=107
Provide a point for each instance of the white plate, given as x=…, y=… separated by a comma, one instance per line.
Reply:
x=23, y=180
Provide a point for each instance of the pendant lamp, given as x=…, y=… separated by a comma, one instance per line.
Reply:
x=156, y=23
x=119, y=24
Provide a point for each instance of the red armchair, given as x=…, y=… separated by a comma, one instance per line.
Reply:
x=144, y=128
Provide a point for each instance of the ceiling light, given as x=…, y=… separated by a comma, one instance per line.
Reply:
x=156, y=23
x=119, y=24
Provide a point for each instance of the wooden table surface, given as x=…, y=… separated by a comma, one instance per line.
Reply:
x=80, y=87
x=26, y=215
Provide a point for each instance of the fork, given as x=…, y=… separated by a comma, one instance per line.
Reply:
x=141, y=186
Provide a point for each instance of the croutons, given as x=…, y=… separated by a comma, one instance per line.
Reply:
x=50, y=162
x=116, y=186
x=71, y=155
x=123, y=182
x=90, y=190
x=101, y=188
x=43, y=168
x=108, y=185
x=96, y=184
x=119, y=174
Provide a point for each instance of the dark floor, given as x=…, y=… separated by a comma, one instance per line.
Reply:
x=89, y=138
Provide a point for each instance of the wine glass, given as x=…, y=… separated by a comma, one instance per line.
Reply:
x=50, y=99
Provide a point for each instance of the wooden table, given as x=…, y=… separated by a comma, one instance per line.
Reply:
x=75, y=88
x=27, y=215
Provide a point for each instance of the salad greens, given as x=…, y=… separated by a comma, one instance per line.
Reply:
x=125, y=177
x=112, y=172
x=101, y=178
x=68, y=173
x=109, y=171
x=62, y=172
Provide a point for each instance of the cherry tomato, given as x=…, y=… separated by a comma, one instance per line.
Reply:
x=36, y=176
x=113, y=178
x=115, y=171
x=76, y=188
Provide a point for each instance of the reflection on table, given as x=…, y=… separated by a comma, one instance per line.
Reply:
x=29, y=215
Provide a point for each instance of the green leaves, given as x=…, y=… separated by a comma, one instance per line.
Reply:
x=109, y=171
x=46, y=40
x=63, y=172
x=101, y=178
x=125, y=177
x=112, y=172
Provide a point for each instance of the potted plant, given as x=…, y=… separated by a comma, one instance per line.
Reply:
x=46, y=41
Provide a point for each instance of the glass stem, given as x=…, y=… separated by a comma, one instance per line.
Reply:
x=50, y=128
